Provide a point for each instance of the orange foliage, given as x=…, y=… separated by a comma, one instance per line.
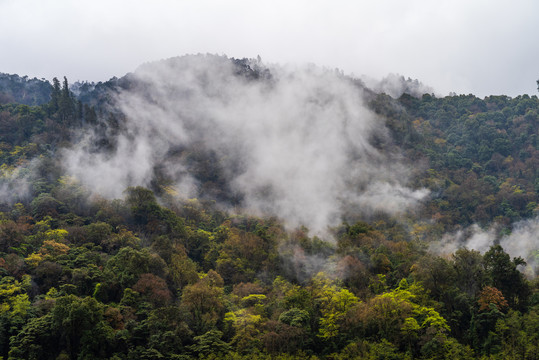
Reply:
x=491, y=295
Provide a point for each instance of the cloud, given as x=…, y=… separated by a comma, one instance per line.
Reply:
x=16, y=183
x=395, y=85
x=296, y=144
x=473, y=237
x=523, y=242
x=390, y=198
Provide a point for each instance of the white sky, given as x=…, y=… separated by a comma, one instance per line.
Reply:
x=467, y=46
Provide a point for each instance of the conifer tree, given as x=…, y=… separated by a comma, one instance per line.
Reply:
x=66, y=104
x=55, y=95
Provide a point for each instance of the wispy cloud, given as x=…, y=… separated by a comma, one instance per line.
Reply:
x=523, y=241
x=296, y=145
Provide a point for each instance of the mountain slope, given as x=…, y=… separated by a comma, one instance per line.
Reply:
x=211, y=207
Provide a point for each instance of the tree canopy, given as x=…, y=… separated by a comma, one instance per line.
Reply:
x=154, y=275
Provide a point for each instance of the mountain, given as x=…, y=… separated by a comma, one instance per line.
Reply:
x=211, y=207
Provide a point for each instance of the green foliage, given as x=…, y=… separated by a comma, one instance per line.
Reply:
x=466, y=139
x=204, y=300
x=125, y=268
x=14, y=300
x=36, y=340
x=210, y=343
x=505, y=276
x=295, y=317
x=22, y=90
x=334, y=303
x=155, y=276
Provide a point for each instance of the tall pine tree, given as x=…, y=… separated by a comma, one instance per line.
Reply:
x=66, y=105
x=55, y=96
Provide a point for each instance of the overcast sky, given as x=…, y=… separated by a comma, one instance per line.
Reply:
x=465, y=46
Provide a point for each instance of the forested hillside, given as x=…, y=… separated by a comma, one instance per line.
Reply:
x=16, y=89
x=206, y=207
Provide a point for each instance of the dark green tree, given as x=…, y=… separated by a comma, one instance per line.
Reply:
x=37, y=340
x=66, y=104
x=83, y=331
x=55, y=95
x=504, y=275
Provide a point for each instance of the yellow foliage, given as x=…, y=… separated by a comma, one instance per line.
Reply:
x=171, y=190
x=7, y=170
x=398, y=302
x=410, y=325
x=243, y=318
x=508, y=160
x=419, y=230
x=43, y=225
x=439, y=141
x=33, y=259
x=20, y=305
x=335, y=302
x=13, y=296
x=56, y=235
x=68, y=180
x=53, y=248
x=51, y=294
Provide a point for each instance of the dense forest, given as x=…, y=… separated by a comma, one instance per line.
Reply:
x=162, y=270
